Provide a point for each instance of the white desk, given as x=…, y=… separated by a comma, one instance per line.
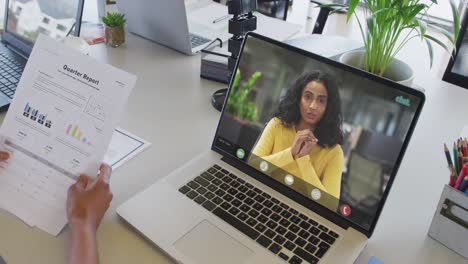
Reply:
x=170, y=107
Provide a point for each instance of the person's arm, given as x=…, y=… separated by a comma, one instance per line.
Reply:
x=88, y=200
x=83, y=246
x=331, y=180
x=264, y=146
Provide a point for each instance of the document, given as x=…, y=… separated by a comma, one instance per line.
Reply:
x=123, y=147
x=58, y=126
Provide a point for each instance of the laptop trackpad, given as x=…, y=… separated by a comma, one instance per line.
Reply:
x=207, y=244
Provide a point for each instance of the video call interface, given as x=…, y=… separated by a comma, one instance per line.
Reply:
x=330, y=135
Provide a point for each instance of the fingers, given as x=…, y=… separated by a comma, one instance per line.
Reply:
x=311, y=140
x=82, y=181
x=4, y=155
x=105, y=172
x=79, y=185
x=103, y=178
x=303, y=137
x=301, y=147
x=307, y=135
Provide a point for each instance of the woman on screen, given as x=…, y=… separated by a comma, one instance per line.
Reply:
x=304, y=135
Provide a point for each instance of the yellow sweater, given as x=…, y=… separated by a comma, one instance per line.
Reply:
x=322, y=168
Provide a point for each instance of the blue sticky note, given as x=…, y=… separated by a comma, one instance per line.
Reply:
x=374, y=260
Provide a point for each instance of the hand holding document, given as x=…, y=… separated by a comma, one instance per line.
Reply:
x=58, y=126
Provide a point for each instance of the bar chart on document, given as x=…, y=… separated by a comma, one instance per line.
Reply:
x=74, y=131
x=73, y=134
x=79, y=133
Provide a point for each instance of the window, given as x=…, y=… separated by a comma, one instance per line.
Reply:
x=441, y=10
x=61, y=27
x=45, y=20
x=43, y=31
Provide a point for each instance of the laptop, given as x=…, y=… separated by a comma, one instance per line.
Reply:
x=250, y=200
x=25, y=20
x=166, y=22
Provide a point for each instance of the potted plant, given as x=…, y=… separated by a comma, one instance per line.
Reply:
x=390, y=24
x=239, y=105
x=115, y=33
x=241, y=110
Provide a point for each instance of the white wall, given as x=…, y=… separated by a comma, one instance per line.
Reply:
x=442, y=9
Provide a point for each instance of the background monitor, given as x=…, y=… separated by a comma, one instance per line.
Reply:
x=457, y=69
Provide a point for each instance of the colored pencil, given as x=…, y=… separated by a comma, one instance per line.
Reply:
x=461, y=175
x=464, y=148
x=447, y=155
x=455, y=159
x=463, y=184
x=460, y=147
x=460, y=160
x=453, y=177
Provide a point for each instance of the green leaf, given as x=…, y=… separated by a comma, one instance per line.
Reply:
x=385, y=10
x=438, y=42
x=371, y=21
x=431, y=52
x=352, y=6
x=422, y=27
x=456, y=20
x=236, y=81
x=113, y=19
x=444, y=32
x=416, y=9
x=239, y=103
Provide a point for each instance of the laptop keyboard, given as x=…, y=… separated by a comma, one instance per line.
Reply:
x=284, y=231
x=10, y=73
x=197, y=40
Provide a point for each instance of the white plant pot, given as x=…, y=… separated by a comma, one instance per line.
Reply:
x=397, y=70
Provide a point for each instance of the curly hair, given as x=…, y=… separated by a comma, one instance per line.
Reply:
x=328, y=131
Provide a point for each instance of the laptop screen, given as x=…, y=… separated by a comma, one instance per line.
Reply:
x=330, y=135
x=26, y=19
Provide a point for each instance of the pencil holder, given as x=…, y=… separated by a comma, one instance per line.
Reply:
x=450, y=223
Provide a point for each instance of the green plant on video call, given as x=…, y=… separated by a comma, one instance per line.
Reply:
x=239, y=103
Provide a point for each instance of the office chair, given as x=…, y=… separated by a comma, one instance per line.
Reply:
x=363, y=186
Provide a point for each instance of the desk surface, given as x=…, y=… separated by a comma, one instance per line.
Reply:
x=170, y=107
